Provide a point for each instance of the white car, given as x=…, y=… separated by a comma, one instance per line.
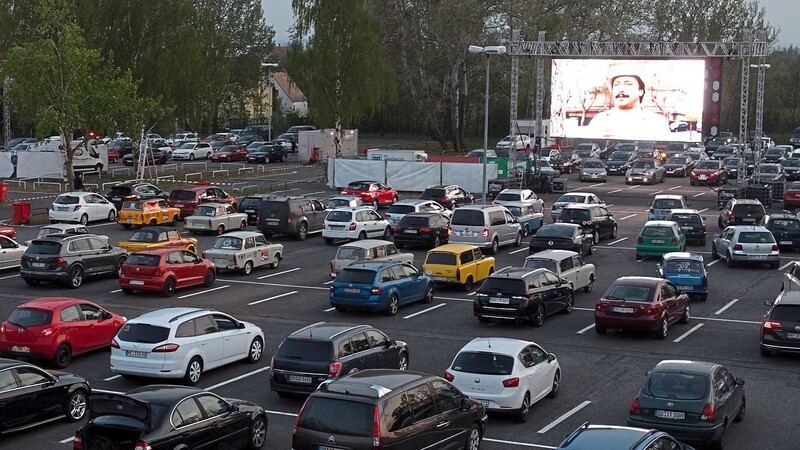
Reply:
x=10, y=252
x=190, y=151
x=522, y=140
x=81, y=207
x=566, y=264
x=525, y=196
x=355, y=223
x=182, y=342
x=506, y=375
x=243, y=251
x=398, y=210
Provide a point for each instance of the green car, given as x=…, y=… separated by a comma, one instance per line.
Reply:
x=659, y=237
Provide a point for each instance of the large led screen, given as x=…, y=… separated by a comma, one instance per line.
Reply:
x=654, y=100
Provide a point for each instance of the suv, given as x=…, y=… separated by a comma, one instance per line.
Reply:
x=133, y=191
x=249, y=205
x=691, y=223
x=486, y=226
x=448, y=196
x=322, y=351
x=595, y=219
x=386, y=408
x=600, y=437
x=779, y=328
x=297, y=216
x=403, y=207
x=525, y=196
x=522, y=294
x=355, y=223
x=188, y=197
x=69, y=259
x=785, y=227
x=741, y=211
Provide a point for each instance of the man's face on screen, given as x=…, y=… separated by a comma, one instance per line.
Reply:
x=626, y=92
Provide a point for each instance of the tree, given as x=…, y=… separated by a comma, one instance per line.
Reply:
x=61, y=85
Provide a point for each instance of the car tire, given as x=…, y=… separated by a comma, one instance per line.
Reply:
x=556, y=385
x=687, y=314
x=429, y=293
x=742, y=411
x=175, y=220
x=256, y=350
x=118, y=268
x=588, y=287
x=75, y=277
x=277, y=262
x=375, y=203
x=243, y=225
x=393, y=306
x=518, y=240
x=211, y=276
x=569, y=303
x=84, y=220
x=387, y=234
x=194, y=370
x=220, y=229
x=468, y=283
x=112, y=216
x=663, y=329
x=402, y=361
x=362, y=235
x=77, y=405
x=258, y=433
x=247, y=268
x=153, y=222
x=719, y=223
x=614, y=232
x=494, y=247
x=169, y=288
x=473, y=438
x=62, y=357
x=521, y=415
x=302, y=231
x=394, y=199
x=537, y=319
x=208, y=155
x=525, y=230
x=191, y=156
x=729, y=260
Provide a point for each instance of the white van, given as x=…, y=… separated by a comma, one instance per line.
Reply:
x=87, y=156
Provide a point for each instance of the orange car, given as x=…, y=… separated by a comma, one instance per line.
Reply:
x=157, y=237
x=147, y=212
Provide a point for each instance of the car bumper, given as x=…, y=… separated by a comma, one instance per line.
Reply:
x=493, y=312
x=413, y=239
x=64, y=216
x=638, y=179
x=604, y=320
x=42, y=275
x=34, y=351
x=372, y=303
x=656, y=250
x=478, y=241
x=339, y=234
x=784, y=345
x=126, y=282
x=508, y=401
x=159, y=369
x=756, y=259
x=695, y=433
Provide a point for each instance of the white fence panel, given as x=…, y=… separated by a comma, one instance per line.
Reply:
x=467, y=175
x=39, y=164
x=6, y=167
x=342, y=171
x=412, y=176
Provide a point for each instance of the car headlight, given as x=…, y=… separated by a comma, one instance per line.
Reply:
x=648, y=173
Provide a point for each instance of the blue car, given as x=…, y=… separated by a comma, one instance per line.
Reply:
x=687, y=272
x=380, y=286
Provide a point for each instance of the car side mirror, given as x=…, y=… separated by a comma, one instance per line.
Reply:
x=390, y=343
x=769, y=302
x=551, y=357
x=466, y=404
x=739, y=382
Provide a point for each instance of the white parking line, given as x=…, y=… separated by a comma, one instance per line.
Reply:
x=329, y=309
x=703, y=210
x=517, y=251
x=10, y=276
x=713, y=262
x=291, y=286
x=278, y=273
x=582, y=309
x=584, y=330
x=203, y=292
x=328, y=282
x=674, y=187
x=727, y=305
x=520, y=444
x=635, y=186
x=271, y=298
x=458, y=299
x=596, y=185
x=424, y=311
x=628, y=217
x=614, y=191
x=112, y=378
x=115, y=291
x=656, y=193
x=472, y=293
x=692, y=330
x=781, y=268
x=564, y=417
x=617, y=241
x=698, y=195
x=240, y=377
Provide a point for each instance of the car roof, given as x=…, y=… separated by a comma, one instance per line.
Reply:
x=442, y=186
x=51, y=302
x=519, y=204
x=507, y=346
x=580, y=206
x=556, y=255
x=788, y=298
x=193, y=188
x=63, y=226
x=379, y=382
x=659, y=223
x=364, y=243
x=423, y=214
x=156, y=229
x=364, y=181
x=59, y=237
x=669, y=196
x=682, y=255
x=345, y=197
x=165, y=316
x=685, y=366
x=516, y=272
x=354, y=208
x=452, y=248
x=514, y=191
x=326, y=330
x=214, y=204
x=644, y=281
x=163, y=394
x=608, y=436
x=576, y=193
x=6, y=363
x=241, y=234
x=746, y=201
x=759, y=228
x=684, y=211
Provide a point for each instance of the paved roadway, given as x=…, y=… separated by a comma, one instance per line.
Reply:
x=600, y=373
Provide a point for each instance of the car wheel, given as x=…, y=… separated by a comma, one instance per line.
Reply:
x=362, y=235
x=614, y=232
x=112, y=216
x=302, y=231
x=600, y=330
x=569, y=303
x=518, y=241
x=468, y=283
x=387, y=234
x=588, y=287
x=62, y=357
x=75, y=277
x=436, y=242
x=729, y=260
x=258, y=433
x=429, y=292
x=687, y=314
x=84, y=219
x=256, y=350
x=193, y=371
x=556, y=385
x=375, y=203
x=494, y=247
x=402, y=362
x=473, y=438
x=663, y=329
x=247, y=268
x=169, y=287
x=118, y=268
x=537, y=320
x=277, y=261
x=393, y=306
x=220, y=229
x=521, y=415
x=596, y=237
x=76, y=405
x=191, y=156
x=211, y=276
x=153, y=222
x=742, y=411
x=591, y=249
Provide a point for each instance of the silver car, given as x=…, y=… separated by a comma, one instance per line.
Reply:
x=592, y=170
x=746, y=244
x=215, y=217
x=243, y=251
x=365, y=250
x=573, y=197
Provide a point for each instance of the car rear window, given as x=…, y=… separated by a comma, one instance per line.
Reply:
x=548, y=264
x=657, y=232
x=143, y=260
x=27, y=317
x=131, y=206
x=182, y=195
x=339, y=216
x=667, y=203
x=483, y=363
x=268, y=207
x=684, y=267
x=351, y=253
x=44, y=248
x=119, y=190
x=357, y=276
x=786, y=224
x=401, y=209
x=143, y=333
x=508, y=197
x=305, y=349
x=433, y=194
x=67, y=200
x=337, y=202
x=469, y=217
x=629, y=293
x=250, y=201
x=359, y=186
x=786, y=313
x=413, y=221
x=676, y=161
x=748, y=209
x=575, y=214
x=593, y=165
x=756, y=237
x=334, y=416
x=447, y=259
x=677, y=385
x=686, y=218
x=505, y=285
x=791, y=163
x=555, y=231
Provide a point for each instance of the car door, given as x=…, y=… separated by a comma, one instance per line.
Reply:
x=541, y=372
x=669, y=300
x=581, y=270
x=316, y=218
x=387, y=353
x=373, y=222
x=189, y=423
x=722, y=244
x=75, y=329
x=14, y=408
x=210, y=341
x=567, y=272
x=552, y=294
x=430, y=429
x=231, y=221
x=105, y=259
x=605, y=221
x=44, y=398
x=415, y=285
x=101, y=330
x=452, y=423
x=101, y=207
x=235, y=340
x=82, y=249
x=195, y=272
x=231, y=430
x=367, y=356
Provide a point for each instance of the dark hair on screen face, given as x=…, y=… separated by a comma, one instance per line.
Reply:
x=641, y=83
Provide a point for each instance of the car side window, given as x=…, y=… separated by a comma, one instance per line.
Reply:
x=79, y=245
x=391, y=249
x=376, y=338
x=386, y=275
x=345, y=348
x=447, y=397
x=373, y=215
x=204, y=325
x=577, y=261
x=360, y=342
x=91, y=312
x=466, y=257
x=539, y=355
x=380, y=251
x=317, y=205
x=261, y=240
x=186, y=413
x=28, y=376
x=6, y=243
x=250, y=242
x=525, y=357
x=719, y=383
x=509, y=217
x=186, y=329
x=174, y=258
x=421, y=400
x=397, y=414
x=213, y=405
x=551, y=279
x=7, y=381
x=409, y=271
x=97, y=244
x=70, y=314
x=565, y=264
x=189, y=257
x=730, y=381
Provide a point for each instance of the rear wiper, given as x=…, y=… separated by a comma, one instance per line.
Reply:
x=611, y=297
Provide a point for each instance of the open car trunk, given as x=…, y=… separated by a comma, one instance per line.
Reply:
x=105, y=435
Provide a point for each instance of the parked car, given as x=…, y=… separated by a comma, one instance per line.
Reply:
x=519, y=142
x=372, y=193
x=157, y=237
x=678, y=166
x=229, y=153
x=250, y=205
x=619, y=162
x=593, y=436
x=641, y=303
x=658, y=237
x=380, y=286
x=595, y=219
x=791, y=168
x=10, y=253
x=355, y=223
x=349, y=201
x=147, y=212
x=266, y=153
x=567, y=265
x=217, y=218
x=193, y=150
x=785, y=227
x=525, y=196
x=770, y=172
x=592, y=170
x=692, y=400
x=746, y=245
x=187, y=198
x=389, y=409
x=81, y=207
x=59, y=395
x=8, y=231
x=691, y=223
x=367, y=250
x=69, y=259
x=133, y=191
x=198, y=418
x=449, y=196
x=62, y=228
x=741, y=211
x=696, y=154
x=526, y=216
x=573, y=197
x=296, y=216
x=645, y=170
x=243, y=251
x=724, y=151
x=426, y=228
x=779, y=331
x=686, y=271
x=777, y=154
x=180, y=336
x=731, y=165
x=664, y=203
x=325, y=351
x=152, y=156
x=486, y=226
x=708, y=172
x=165, y=270
x=522, y=295
x=460, y=264
x=562, y=162
x=565, y=236
x=403, y=207
x=506, y=375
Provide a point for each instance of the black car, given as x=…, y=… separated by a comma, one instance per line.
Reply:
x=523, y=295
x=422, y=228
x=296, y=216
x=562, y=162
x=267, y=153
x=691, y=223
x=159, y=417
x=731, y=165
x=791, y=168
x=678, y=166
x=602, y=437
x=779, y=331
x=323, y=351
x=153, y=155
x=713, y=144
x=70, y=259
x=724, y=152
x=564, y=236
x=122, y=146
x=741, y=211
x=129, y=191
x=448, y=196
x=776, y=154
x=595, y=219
x=250, y=205
x=619, y=162
x=32, y=396
x=785, y=228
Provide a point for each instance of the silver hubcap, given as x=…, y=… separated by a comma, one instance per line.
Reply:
x=77, y=278
x=403, y=363
x=259, y=433
x=556, y=382
x=393, y=305
x=248, y=267
x=77, y=406
x=194, y=371
x=664, y=328
x=687, y=313
x=474, y=439
x=255, y=350
x=429, y=295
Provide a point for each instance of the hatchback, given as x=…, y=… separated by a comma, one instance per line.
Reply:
x=658, y=237
x=686, y=271
x=692, y=400
x=422, y=228
x=183, y=342
x=165, y=270
x=69, y=259
x=741, y=211
x=229, y=153
x=81, y=207
x=708, y=172
x=486, y=226
x=339, y=201
x=780, y=329
x=133, y=191
x=380, y=286
x=403, y=207
x=691, y=224
x=56, y=328
x=187, y=198
x=367, y=250
x=526, y=216
x=746, y=244
x=770, y=172
x=641, y=303
x=785, y=227
x=664, y=203
x=355, y=223
x=619, y=162
x=791, y=198
x=372, y=192
x=596, y=220
x=566, y=236
x=603, y=437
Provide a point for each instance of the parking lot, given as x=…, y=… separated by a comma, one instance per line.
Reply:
x=600, y=373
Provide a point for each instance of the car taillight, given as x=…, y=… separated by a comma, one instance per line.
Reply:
x=771, y=325
x=166, y=348
x=77, y=441
x=652, y=310
x=449, y=376
x=141, y=445
x=114, y=343
x=77, y=207
x=640, y=240
x=334, y=369
x=376, y=429
x=159, y=271
x=774, y=247
x=397, y=228
x=289, y=218
x=449, y=231
x=485, y=232
x=705, y=282
x=57, y=260
x=47, y=331
x=425, y=229
x=511, y=382
x=652, y=210
x=709, y=412
x=587, y=223
x=376, y=290
x=731, y=217
x=600, y=306
x=444, y=200
x=674, y=240
x=352, y=226
x=738, y=247
x=634, y=409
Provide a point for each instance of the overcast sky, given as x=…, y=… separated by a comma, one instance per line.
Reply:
x=781, y=14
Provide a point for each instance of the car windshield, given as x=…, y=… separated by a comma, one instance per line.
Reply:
x=28, y=317
x=593, y=165
x=676, y=160
x=756, y=237
x=410, y=221
x=627, y=147
x=619, y=156
x=67, y=200
x=539, y=263
x=145, y=236
x=588, y=147
x=683, y=266
x=250, y=201
x=190, y=146
x=515, y=211
x=707, y=165
x=138, y=259
x=143, y=333
x=356, y=276
x=447, y=259
x=693, y=154
x=629, y=293
x=338, y=216
x=677, y=385
x=400, y=209
x=228, y=243
x=667, y=203
x=132, y=206
x=766, y=168
x=555, y=231
x=207, y=211
x=351, y=253
x=657, y=231
x=583, y=153
x=180, y=194
x=642, y=164
x=331, y=416
x=483, y=363
x=44, y=248
x=731, y=161
x=644, y=154
x=792, y=162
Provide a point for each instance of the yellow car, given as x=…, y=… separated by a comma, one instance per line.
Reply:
x=157, y=237
x=147, y=212
x=461, y=264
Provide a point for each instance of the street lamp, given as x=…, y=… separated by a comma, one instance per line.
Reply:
x=269, y=67
x=488, y=50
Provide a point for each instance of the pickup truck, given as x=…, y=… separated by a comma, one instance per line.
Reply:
x=566, y=264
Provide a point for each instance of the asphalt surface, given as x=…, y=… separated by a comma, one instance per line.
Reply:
x=601, y=374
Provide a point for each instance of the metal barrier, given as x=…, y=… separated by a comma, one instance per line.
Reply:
x=261, y=169
x=245, y=169
x=194, y=164
x=166, y=167
x=231, y=164
x=49, y=183
x=186, y=177
x=166, y=177
x=225, y=171
x=237, y=185
x=126, y=170
x=253, y=186
x=110, y=183
x=86, y=187
x=20, y=183
x=92, y=172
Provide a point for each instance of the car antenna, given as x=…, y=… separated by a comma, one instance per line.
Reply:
x=489, y=340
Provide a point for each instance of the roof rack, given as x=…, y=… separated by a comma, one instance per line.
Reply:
x=347, y=330
x=192, y=311
x=307, y=327
x=372, y=391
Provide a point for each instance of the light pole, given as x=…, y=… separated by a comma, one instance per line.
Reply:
x=269, y=67
x=487, y=50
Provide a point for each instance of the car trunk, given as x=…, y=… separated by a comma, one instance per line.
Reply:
x=502, y=293
x=116, y=422
x=141, y=265
x=441, y=265
x=24, y=326
x=42, y=255
x=302, y=362
x=552, y=242
x=354, y=284
x=482, y=372
x=747, y=214
x=756, y=243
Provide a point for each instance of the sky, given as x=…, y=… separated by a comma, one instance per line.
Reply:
x=780, y=14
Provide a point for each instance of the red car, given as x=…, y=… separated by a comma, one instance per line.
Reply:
x=641, y=303
x=229, y=153
x=113, y=155
x=188, y=197
x=164, y=270
x=56, y=328
x=372, y=192
x=708, y=172
x=791, y=198
x=6, y=230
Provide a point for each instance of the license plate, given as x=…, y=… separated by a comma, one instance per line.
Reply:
x=620, y=309
x=221, y=262
x=499, y=300
x=485, y=403
x=325, y=447
x=757, y=257
x=179, y=205
x=686, y=228
x=788, y=336
x=749, y=219
x=785, y=242
x=272, y=221
x=129, y=220
x=440, y=279
x=337, y=227
x=657, y=241
x=411, y=231
x=352, y=290
x=14, y=348
x=250, y=211
x=39, y=265
x=63, y=208
x=135, y=354
x=685, y=288
x=299, y=379
x=466, y=233
x=670, y=415
x=137, y=282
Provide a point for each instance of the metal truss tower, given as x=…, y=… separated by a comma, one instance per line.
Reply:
x=512, y=150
